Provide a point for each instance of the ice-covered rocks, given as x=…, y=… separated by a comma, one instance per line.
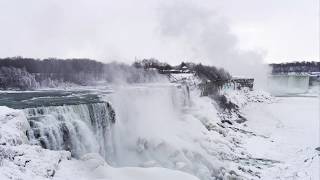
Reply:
x=26, y=161
x=18, y=159
x=13, y=127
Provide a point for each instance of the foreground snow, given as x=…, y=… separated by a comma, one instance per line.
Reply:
x=292, y=129
x=92, y=166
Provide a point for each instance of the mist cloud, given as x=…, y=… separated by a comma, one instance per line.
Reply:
x=206, y=36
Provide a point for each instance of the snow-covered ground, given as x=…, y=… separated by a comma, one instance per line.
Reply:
x=292, y=128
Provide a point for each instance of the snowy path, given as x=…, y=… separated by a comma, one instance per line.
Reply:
x=292, y=125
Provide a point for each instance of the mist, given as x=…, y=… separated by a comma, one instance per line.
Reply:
x=206, y=37
x=223, y=33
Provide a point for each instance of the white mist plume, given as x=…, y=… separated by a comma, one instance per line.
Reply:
x=206, y=37
x=122, y=74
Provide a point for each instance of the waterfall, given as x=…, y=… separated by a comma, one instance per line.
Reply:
x=162, y=126
x=147, y=114
x=80, y=129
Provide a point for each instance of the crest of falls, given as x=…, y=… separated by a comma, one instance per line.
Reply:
x=80, y=129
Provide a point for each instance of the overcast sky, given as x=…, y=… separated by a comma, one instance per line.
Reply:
x=213, y=31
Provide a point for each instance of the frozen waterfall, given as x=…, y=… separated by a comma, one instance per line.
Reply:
x=79, y=128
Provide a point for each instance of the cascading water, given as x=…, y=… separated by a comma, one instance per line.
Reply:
x=143, y=112
x=167, y=125
x=79, y=128
x=160, y=126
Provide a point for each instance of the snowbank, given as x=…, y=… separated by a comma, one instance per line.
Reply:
x=13, y=127
x=244, y=96
x=30, y=162
x=18, y=159
x=93, y=167
x=292, y=129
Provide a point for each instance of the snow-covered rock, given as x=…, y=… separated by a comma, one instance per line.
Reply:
x=13, y=127
x=28, y=162
x=18, y=159
x=234, y=101
x=244, y=96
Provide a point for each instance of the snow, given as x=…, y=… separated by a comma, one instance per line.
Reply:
x=292, y=126
x=93, y=166
x=188, y=78
x=286, y=131
x=13, y=126
x=244, y=96
x=29, y=162
x=18, y=159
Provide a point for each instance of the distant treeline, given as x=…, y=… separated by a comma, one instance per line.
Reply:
x=29, y=73
x=297, y=67
x=53, y=65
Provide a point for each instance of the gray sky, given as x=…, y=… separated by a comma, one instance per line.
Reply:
x=209, y=31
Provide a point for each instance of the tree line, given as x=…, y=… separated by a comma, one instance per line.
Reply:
x=27, y=73
x=298, y=67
